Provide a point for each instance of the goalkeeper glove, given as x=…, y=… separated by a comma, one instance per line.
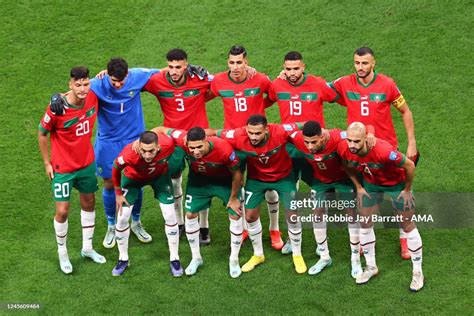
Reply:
x=196, y=70
x=57, y=104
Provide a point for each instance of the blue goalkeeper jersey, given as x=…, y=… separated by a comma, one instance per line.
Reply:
x=120, y=115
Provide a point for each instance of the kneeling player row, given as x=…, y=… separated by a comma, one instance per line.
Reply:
x=214, y=172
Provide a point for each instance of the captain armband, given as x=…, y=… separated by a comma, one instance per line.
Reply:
x=398, y=101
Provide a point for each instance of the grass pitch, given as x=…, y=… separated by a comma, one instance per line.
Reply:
x=424, y=45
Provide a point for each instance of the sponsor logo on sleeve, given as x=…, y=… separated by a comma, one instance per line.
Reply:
x=287, y=127
x=120, y=160
x=393, y=155
x=343, y=134
x=46, y=118
x=230, y=134
x=232, y=156
x=293, y=135
x=176, y=134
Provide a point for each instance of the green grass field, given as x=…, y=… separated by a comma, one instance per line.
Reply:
x=424, y=45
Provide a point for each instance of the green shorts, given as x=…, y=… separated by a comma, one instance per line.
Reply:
x=376, y=193
x=200, y=190
x=162, y=187
x=255, y=191
x=176, y=163
x=301, y=168
x=84, y=180
x=324, y=191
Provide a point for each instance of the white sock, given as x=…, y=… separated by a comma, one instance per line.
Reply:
x=171, y=229
x=415, y=246
x=320, y=235
x=242, y=198
x=255, y=235
x=204, y=218
x=192, y=233
x=87, y=222
x=403, y=234
x=178, y=199
x=61, y=235
x=354, y=240
x=122, y=232
x=367, y=242
x=236, y=230
x=294, y=232
x=273, y=209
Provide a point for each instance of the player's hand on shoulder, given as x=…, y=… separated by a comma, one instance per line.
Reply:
x=251, y=72
x=57, y=104
x=136, y=146
x=196, y=70
x=282, y=75
x=101, y=74
x=371, y=140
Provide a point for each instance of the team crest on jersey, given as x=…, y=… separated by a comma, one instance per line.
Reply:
x=263, y=158
x=176, y=134
x=393, y=155
x=366, y=168
x=377, y=99
x=46, y=118
x=120, y=160
x=230, y=134
x=308, y=97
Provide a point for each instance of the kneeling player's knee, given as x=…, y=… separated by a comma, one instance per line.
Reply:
x=190, y=215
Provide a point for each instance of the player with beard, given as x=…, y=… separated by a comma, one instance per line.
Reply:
x=385, y=171
x=368, y=96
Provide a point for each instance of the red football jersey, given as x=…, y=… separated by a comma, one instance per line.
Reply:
x=217, y=163
x=70, y=135
x=240, y=99
x=136, y=168
x=380, y=166
x=370, y=104
x=183, y=106
x=268, y=162
x=327, y=166
x=304, y=101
